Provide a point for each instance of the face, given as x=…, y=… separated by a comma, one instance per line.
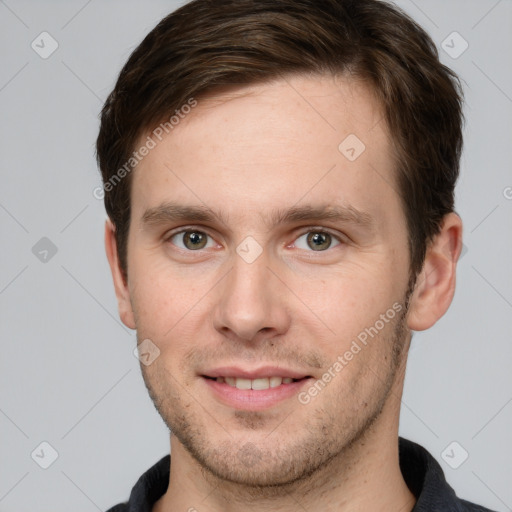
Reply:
x=264, y=249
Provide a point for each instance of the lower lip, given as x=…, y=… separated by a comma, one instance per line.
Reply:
x=251, y=399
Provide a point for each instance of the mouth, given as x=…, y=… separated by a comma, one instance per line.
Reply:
x=254, y=390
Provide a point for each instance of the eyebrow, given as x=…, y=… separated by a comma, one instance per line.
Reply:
x=172, y=212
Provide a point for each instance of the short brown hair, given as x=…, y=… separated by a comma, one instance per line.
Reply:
x=206, y=44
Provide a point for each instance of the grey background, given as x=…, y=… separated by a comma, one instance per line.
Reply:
x=67, y=372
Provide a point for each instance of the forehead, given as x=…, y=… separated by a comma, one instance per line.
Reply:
x=272, y=144
x=315, y=109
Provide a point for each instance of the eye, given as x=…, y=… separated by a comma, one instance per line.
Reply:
x=317, y=241
x=191, y=240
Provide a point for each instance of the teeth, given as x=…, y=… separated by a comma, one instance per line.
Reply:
x=257, y=384
x=260, y=384
x=275, y=381
x=243, y=383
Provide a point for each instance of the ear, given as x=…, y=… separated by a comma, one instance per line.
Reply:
x=435, y=285
x=121, y=287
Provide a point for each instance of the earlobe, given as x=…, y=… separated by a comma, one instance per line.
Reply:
x=120, y=286
x=435, y=285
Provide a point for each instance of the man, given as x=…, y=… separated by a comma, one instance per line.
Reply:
x=279, y=181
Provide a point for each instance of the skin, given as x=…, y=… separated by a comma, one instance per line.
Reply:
x=247, y=152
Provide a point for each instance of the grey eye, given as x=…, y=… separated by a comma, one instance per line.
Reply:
x=316, y=240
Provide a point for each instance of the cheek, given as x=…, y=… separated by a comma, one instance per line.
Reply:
x=353, y=297
x=160, y=297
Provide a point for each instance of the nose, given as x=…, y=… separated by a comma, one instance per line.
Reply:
x=251, y=302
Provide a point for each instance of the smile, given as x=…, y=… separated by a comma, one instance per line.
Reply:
x=253, y=390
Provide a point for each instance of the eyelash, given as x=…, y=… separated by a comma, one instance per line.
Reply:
x=309, y=229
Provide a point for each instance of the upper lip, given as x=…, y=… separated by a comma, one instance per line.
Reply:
x=258, y=373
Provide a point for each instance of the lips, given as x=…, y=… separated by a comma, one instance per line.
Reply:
x=261, y=380
x=253, y=390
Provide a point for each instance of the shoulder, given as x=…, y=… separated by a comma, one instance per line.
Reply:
x=466, y=506
x=121, y=507
x=426, y=480
x=148, y=489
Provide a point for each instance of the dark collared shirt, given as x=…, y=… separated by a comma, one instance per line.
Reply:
x=422, y=474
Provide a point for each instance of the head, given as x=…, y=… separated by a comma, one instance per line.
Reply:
x=293, y=205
